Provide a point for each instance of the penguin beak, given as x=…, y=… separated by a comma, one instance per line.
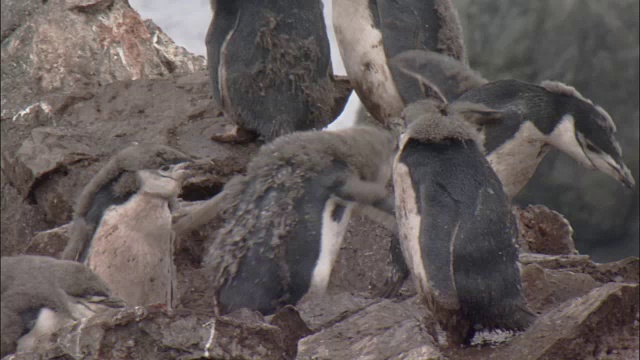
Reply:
x=614, y=168
x=624, y=176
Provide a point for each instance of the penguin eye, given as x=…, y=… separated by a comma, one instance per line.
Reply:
x=592, y=148
x=165, y=168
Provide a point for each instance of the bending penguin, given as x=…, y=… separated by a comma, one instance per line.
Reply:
x=270, y=65
x=456, y=229
x=41, y=294
x=286, y=219
x=535, y=118
x=122, y=223
x=371, y=31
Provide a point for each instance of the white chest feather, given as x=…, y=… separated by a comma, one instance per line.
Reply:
x=516, y=160
x=363, y=55
x=409, y=221
x=332, y=236
x=47, y=323
x=132, y=250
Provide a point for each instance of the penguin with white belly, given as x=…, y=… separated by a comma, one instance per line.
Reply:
x=456, y=229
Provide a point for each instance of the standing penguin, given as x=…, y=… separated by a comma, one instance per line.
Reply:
x=40, y=294
x=122, y=223
x=535, y=117
x=456, y=228
x=270, y=65
x=371, y=31
x=286, y=219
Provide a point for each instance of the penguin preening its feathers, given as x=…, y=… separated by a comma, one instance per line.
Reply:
x=534, y=117
x=40, y=294
x=456, y=228
x=286, y=218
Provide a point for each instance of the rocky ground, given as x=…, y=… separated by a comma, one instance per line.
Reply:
x=82, y=79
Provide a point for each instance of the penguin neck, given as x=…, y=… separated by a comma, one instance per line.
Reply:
x=517, y=159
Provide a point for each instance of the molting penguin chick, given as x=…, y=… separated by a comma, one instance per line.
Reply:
x=122, y=224
x=269, y=64
x=363, y=26
x=40, y=294
x=287, y=217
x=456, y=228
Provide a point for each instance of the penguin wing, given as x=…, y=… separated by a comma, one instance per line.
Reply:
x=438, y=214
x=423, y=73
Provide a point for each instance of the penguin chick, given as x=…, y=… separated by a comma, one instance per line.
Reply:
x=270, y=65
x=534, y=118
x=116, y=191
x=286, y=219
x=114, y=184
x=456, y=229
x=40, y=294
x=363, y=26
x=132, y=249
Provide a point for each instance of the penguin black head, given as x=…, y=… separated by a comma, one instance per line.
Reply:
x=587, y=133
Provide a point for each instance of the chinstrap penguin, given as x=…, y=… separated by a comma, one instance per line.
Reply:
x=270, y=65
x=41, y=294
x=122, y=223
x=456, y=228
x=535, y=118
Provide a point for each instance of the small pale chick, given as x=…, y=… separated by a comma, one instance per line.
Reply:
x=41, y=294
x=456, y=229
x=535, y=118
x=286, y=219
x=369, y=32
x=122, y=224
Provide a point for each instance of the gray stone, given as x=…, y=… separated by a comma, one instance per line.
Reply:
x=381, y=331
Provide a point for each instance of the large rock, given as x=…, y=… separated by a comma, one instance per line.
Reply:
x=600, y=325
x=49, y=165
x=592, y=45
x=383, y=330
x=153, y=333
x=79, y=45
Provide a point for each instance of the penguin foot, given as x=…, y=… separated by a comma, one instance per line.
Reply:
x=230, y=133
